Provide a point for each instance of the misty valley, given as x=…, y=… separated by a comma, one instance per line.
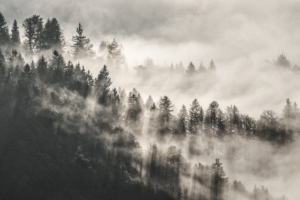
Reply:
x=77, y=122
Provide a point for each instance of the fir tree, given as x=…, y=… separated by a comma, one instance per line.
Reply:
x=115, y=56
x=191, y=69
x=102, y=84
x=4, y=34
x=81, y=46
x=212, y=65
x=195, y=117
x=15, y=36
x=149, y=103
x=165, y=109
x=183, y=121
x=42, y=68
x=34, y=33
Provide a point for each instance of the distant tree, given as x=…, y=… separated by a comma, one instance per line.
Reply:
x=232, y=119
x=102, y=84
x=282, y=61
x=287, y=113
x=52, y=35
x=2, y=70
x=201, y=68
x=248, y=125
x=191, y=69
x=212, y=65
x=211, y=117
x=34, y=33
x=165, y=109
x=135, y=108
x=149, y=103
x=57, y=67
x=15, y=36
x=219, y=183
x=82, y=46
x=182, y=124
x=221, y=123
x=25, y=92
x=42, y=68
x=195, y=117
x=115, y=104
x=4, y=34
x=32, y=67
x=115, y=56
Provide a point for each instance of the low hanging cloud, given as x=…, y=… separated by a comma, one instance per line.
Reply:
x=206, y=29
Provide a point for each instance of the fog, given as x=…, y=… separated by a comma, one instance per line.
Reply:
x=243, y=38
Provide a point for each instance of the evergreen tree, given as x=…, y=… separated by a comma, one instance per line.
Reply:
x=165, y=109
x=135, y=108
x=81, y=47
x=282, y=61
x=42, y=68
x=232, y=119
x=2, y=71
x=15, y=36
x=211, y=116
x=196, y=117
x=191, y=69
x=115, y=56
x=52, y=35
x=57, y=35
x=149, y=103
x=218, y=186
x=34, y=33
x=57, y=66
x=183, y=121
x=201, y=68
x=24, y=93
x=102, y=84
x=4, y=34
x=288, y=114
x=212, y=65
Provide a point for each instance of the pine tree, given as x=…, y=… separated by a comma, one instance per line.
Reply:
x=57, y=35
x=149, y=103
x=201, y=68
x=34, y=33
x=135, y=107
x=15, y=36
x=102, y=84
x=212, y=65
x=115, y=56
x=2, y=71
x=288, y=114
x=195, y=117
x=24, y=93
x=191, y=69
x=219, y=183
x=58, y=65
x=165, y=109
x=211, y=116
x=42, y=68
x=183, y=121
x=81, y=47
x=4, y=34
x=32, y=67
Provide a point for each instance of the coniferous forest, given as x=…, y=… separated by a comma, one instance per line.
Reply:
x=68, y=133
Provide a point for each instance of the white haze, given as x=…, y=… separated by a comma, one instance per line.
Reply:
x=238, y=35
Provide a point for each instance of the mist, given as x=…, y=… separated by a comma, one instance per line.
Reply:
x=243, y=39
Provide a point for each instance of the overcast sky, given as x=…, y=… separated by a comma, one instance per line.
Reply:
x=174, y=30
